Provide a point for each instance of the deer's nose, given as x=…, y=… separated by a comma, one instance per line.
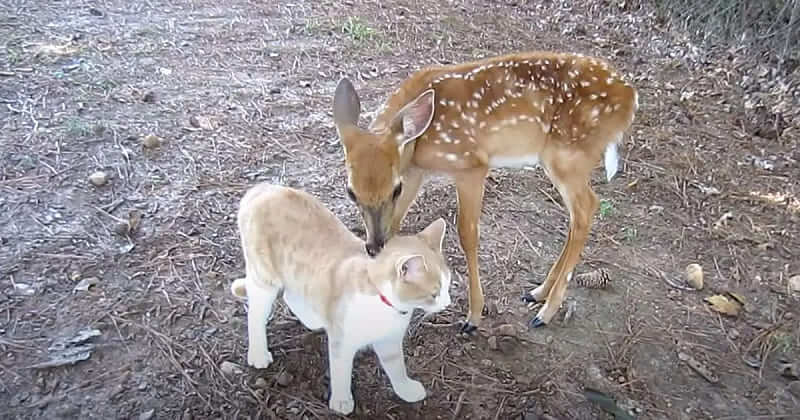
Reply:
x=374, y=248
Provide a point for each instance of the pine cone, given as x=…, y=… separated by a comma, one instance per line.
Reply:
x=597, y=279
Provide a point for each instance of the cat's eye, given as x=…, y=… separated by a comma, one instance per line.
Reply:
x=351, y=195
x=435, y=296
x=397, y=191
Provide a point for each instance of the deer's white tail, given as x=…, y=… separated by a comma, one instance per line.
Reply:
x=238, y=288
x=611, y=158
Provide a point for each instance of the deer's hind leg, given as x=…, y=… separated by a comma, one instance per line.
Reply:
x=581, y=203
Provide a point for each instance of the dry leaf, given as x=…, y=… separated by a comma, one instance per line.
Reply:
x=699, y=367
x=739, y=298
x=724, y=305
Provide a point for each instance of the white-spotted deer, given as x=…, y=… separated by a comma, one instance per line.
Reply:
x=561, y=111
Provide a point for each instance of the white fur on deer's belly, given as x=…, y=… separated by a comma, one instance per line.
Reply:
x=304, y=312
x=514, y=161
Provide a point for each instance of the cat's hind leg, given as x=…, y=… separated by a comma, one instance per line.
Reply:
x=260, y=298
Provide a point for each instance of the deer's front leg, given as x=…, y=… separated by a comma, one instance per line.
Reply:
x=469, y=187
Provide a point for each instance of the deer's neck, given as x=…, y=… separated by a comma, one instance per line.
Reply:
x=407, y=157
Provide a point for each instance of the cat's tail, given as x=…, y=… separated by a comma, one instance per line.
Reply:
x=238, y=288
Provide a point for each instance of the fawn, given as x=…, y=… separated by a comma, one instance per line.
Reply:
x=292, y=243
x=560, y=111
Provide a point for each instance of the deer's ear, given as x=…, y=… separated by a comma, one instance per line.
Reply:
x=415, y=117
x=346, y=105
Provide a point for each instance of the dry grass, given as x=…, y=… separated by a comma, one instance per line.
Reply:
x=83, y=82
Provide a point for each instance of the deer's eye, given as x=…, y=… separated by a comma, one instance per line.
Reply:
x=397, y=191
x=351, y=195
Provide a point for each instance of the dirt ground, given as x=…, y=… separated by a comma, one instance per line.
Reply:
x=240, y=92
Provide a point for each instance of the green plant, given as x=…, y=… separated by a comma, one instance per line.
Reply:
x=606, y=208
x=357, y=29
x=76, y=127
x=630, y=233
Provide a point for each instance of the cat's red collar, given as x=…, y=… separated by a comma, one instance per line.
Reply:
x=386, y=301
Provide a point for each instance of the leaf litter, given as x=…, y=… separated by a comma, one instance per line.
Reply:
x=71, y=350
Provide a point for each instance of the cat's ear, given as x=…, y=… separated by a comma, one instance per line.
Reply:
x=411, y=268
x=433, y=235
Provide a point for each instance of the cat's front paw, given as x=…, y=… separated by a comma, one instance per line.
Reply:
x=342, y=406
x=410, y=391
x=259, y=359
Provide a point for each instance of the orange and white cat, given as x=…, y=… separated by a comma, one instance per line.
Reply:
x=294, y=244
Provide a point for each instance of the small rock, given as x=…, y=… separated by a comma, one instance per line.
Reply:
x=85, y=284
x=284, y=379
x=202, y=122
x=794, y=388
x=95, y=12
x=151, y=141
x=694, y=276
x=149, y=97
x=621, y=379
x=733, y=334
x=261, y=383
x=230, y=368
x=275, y=91
x=98, y=178
x=116, y=391
x=122, y=228
x=486, y=362
x=789, y=371
x=491, y=308
x=493, y=342
x=147, y=415
x=506, y=330
x=794, y=283
x=142, y=386
x=523, y=379
x=549, y=339
x=23, y=289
